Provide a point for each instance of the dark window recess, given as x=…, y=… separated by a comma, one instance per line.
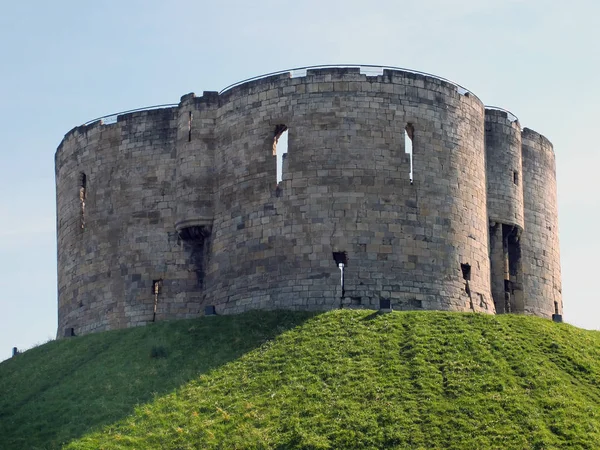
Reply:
x=513, y=268
x=340, y=258
x=409, y=133
x=555, y=307
x=196, y=245
x=69, y=332
x=190, y=117
x=156, y=288
x=280, y=148
x=385, y=304
x=82, y=197
x=516, y=177
x=466, y=271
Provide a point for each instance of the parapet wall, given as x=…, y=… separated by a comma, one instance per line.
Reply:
x=182, y=208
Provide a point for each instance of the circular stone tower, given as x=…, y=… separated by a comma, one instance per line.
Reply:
x=398, y=189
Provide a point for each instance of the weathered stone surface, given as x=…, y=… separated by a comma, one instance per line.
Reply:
x=188, y=196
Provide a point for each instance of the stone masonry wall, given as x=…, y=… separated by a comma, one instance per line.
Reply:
x=540, y=246
x=505, y=207
x=106, y=269
x=187, y=197
x=504, y=168
x=346, y=188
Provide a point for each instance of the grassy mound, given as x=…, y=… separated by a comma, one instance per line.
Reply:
x=343, y=379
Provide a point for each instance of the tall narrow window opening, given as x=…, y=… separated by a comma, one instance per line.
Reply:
x=82, y=196
x=280, y=148
x=190, y=117
x=516, y=177
x=466, y=273
x=409, y=132
x=341, y=259
x=156, y=285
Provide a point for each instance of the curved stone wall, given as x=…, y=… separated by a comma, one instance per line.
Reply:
x=505, y=208
x=195, y=159
x=504, y=168
x=540, y=246
x=347, y=189
x=180, y=208
x=107, y=267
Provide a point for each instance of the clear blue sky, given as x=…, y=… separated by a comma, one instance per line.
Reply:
x=65, y=62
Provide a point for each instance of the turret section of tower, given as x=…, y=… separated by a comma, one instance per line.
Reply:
x=540, y=246
x=505, y=208
x=195, y=183
x=504, y=167
x=195, y=160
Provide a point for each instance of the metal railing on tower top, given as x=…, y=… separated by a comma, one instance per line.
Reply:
x=368, y=69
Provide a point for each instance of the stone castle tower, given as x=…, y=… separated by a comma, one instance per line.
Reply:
x=428, y=198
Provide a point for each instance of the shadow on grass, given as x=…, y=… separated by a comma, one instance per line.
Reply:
x=372, y=316
x=62, y=390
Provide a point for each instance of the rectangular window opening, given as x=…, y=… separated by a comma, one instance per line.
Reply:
x=466, y=271
x=516, y=177
x=190, y=126
x=280, y=149
x=341, y=260
x=408, y=147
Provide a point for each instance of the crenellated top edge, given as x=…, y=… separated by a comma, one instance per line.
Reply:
x=495, y=111
x=208, y=98
x=322, y=73
x=381, y=74
x=115, y=119
x=533, y=135
x=368, y=70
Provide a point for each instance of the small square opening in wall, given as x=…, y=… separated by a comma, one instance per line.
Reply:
x=340, y=258
x=385, y=304
x=69, y=332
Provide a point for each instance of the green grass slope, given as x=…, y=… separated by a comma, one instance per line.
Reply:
x=342, y=379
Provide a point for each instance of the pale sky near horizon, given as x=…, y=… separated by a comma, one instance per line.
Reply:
x=65, y=62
